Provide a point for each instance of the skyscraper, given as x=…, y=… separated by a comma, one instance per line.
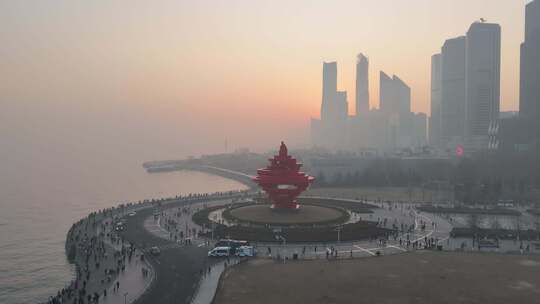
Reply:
x=402, y=95
x=330, y=131
x=453, y=92
x=435, y=119
x=395, y=106
x=387, y=97
x=329, y=89
x=529, y=102
x=362, y=85
x=395, y=95
x=482, y=78
x=342, y=107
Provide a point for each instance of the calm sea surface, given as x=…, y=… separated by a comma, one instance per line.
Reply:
x=39, y=203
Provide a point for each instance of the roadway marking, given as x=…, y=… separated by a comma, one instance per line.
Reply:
x=429, y=232
x=366, y=250
x=402, y=249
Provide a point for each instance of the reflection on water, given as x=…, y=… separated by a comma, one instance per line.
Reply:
x=38, y=207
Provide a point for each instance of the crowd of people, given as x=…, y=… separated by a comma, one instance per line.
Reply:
x=99, y=253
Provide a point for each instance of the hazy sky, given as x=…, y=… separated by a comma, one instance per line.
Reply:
x=168, y=78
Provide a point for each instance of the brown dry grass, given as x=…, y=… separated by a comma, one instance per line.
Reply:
x=423, y=277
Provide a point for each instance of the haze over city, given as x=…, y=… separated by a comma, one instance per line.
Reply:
x=155, y=73
x=241, y=151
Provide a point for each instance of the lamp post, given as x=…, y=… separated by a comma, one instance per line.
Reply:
x=338, y=229
x=213, y=227
x=282, y=239
x=125, y=298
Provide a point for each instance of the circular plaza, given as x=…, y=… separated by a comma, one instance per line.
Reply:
x=305, y=215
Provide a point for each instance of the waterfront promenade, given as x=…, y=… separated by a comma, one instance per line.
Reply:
x=181, y=272
x=116, y=267
x=106, y=266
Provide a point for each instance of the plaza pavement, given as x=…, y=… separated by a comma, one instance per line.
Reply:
x=182, y=269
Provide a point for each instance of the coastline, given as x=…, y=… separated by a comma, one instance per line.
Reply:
x=240, y=177
x=97, y=218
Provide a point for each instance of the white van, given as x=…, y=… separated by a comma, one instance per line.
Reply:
x=155, y=250
x=219, y=252
x=245, y=251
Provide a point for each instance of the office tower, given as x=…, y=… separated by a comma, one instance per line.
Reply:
x=362, y=85
x=387, y=98
x=435, y=119
x=329, y=89
x=482, y=78
x=331, y=130
x=402, y=95
x=395, y=95
x=453, y=92
x=395, y=105
x=529, y=102
x=405, y=118
x=342, y=106
x=419, y=129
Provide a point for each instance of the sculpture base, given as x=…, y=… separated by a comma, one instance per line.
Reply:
x=279, y=208
x=307, y=214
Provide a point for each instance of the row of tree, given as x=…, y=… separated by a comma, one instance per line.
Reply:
x=481, y=179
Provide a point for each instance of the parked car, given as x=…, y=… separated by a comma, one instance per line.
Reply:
x=119, y=226
x=155, y=250
x=231, y=243
x=245, y=251
x=220, y=252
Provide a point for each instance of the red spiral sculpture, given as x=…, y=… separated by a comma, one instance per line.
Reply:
x=282, y=180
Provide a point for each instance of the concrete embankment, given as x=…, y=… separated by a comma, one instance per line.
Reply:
x=101, y=257
x=241, y=177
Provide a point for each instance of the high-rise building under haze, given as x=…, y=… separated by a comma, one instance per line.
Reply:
x=362, y=85
x=387, y=99
x=395, y=95
x=402, y=94
x=395, y=106
x=387, y=130
x=482, y=81
x=330, y=130
x=342, y=107
x=329, y=89
x=453, y=92
x=435, y=118
x=529, y=89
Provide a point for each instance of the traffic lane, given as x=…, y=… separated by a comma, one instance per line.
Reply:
x=178, y=273
x=178, y=269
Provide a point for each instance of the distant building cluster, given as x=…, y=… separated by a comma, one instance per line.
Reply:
x=465, y=102
x=465, y=92
x=465, y=89
x=388, y=129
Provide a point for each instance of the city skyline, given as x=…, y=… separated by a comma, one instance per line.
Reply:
x=131, y=61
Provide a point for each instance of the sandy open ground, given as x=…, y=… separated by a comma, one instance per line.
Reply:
x=421, y=277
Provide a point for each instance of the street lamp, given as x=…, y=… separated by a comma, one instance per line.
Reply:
x=125, y=298
x=213, y=227
x=338, y=229
x=284, y=241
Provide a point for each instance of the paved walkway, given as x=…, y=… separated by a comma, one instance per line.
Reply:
x=366, y=248
x=435, y=227
x=175, y=225
x=209, y=282
x=132, y=282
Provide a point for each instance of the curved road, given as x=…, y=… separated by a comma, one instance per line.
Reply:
x=177, y=268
